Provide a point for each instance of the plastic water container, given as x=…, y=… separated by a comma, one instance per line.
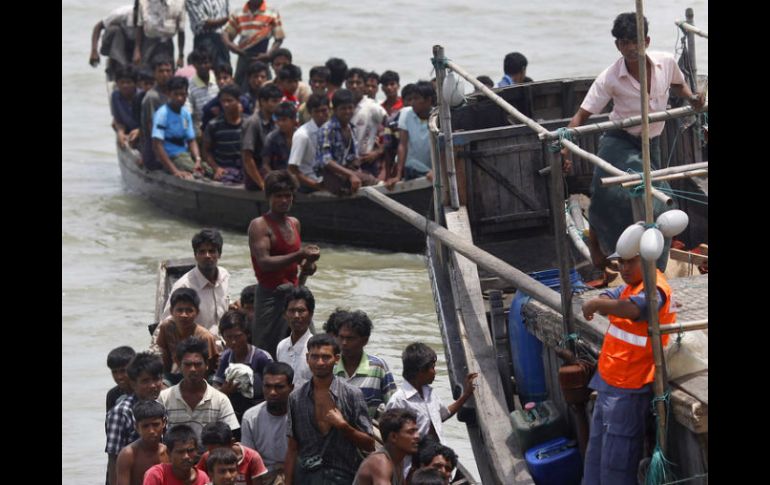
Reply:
x=537, y=423
x=526, y=349
x=556, y=462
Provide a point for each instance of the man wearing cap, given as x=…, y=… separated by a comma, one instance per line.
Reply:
x=625, y=373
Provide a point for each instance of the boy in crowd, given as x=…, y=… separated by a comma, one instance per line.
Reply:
x=486, y=81
x=224, y=76
x=223, y=467
x=338, y=69
x=117, y=361
x=288, y=82
x=390, y=135
x=515, y=69
x=275, y=153
x=256, y=77
x=319, y=79
x=125, y=116
x=151, y=102
x=249, y=465
x=437, y=457
x=173, y=136
x=222, y=138
x=203, y=86
x=393, y=102
x=368, y=119
x=372, y=83
x=135, y=459
x=182, y=444
x=247, y=301
x=255, y=129
x=282, y=58
x=414, y=146
x=304, y=145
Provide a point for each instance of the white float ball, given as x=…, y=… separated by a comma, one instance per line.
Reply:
x=672, y=222
x=628, y=242
x=651, y=244
x=453, y=90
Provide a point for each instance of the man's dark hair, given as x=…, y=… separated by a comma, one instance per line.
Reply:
x=185, y=294
x=300, y=293
x=514, y=63
x=217, y=433
x=429, y=449
x=416, y=357
x=315, y=101
x=279, y=369
x=270, y=91
x=486, y=81
x=220, y=456
x=230, y=90
x=147, y=409
x=427, y=476
x=290, y=72
x=373, y=75
x=211, y=236
x=337, y=70
x=145, y=74
x=198, y=56
x=624, y=26
x=322, y=340
x=342, y=97
x=234, y=319
x=147, y=362
x=393, y=420
x=159, y=61
x=286, y=110
x=320, y=71
x=424, y=89
x=247, y=294
x=281, y=52
x=408, y=90
x=181, y=433
x=223, y=67
x=178, y=82
x=120, y=357
x=279, y=180
x=357, y=320
x=125, y=72
x=255, y=67
x=389, y=76
x=356, y=71
x=192, y=345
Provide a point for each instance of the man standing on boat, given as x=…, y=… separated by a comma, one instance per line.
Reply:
x=610, y=211
x=117, y=41
x=157, y=22
x=276, y=255
x=207, y=17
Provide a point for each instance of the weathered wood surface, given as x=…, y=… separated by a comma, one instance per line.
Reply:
x=169, y=270
x=490, y=405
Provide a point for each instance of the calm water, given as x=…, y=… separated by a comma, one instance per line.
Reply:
x=112, y=240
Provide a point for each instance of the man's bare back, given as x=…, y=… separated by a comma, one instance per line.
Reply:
x=134, y=460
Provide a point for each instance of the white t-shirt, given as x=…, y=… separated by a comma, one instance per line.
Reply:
x=366, y=121
x=296, y=356
x=304, y=146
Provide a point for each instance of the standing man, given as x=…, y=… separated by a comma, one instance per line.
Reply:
x=117, y=42
x=210, y=281
x=624, y=376
x=255, y=24
x=264, y=425
x=357, y=368
x=157, y=21
x=206, y=20
x=611, y=212
x=276, y=255
x=300, y=305
x=401, y=438
x=328, y=422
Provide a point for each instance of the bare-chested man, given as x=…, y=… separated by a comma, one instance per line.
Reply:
x=139, y=456
x=401, y=438
x=328, y=421
x=276, y=255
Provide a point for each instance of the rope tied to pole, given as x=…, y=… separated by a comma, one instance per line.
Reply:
x=572, y=337
x=680, y=334
x=564, y=134
x=659, y=471
x=439, y=63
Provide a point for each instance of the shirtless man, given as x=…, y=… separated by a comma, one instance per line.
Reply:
x=328, y=422
x=276, y=255
x=401, y=438
x=139, y=456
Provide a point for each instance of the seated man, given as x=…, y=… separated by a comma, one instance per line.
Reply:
x=151, y=101
x=182, y=444
x=203, y=86
x=304, y=145
x=281, y=58
x=400, y=438
x=173, y=135
x=393, y=102
x=117, y=361
x=255, y=130
x=319, y=79
x=217, y=436
x=275, y=153
x=368, y=119
x=125, y=116
x=135, y=459
x=515, y=69
x=438, y=457
x=222, y=138
x=414, y=144
x=288, y=81
x=212, y=109
x=256, y=77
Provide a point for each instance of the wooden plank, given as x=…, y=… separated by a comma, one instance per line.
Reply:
x=696, y=385
x=688, y=257
x=491, y=409
x=500, y=179
x=517, y=217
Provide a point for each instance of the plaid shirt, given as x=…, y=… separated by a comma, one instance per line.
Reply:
x=340, y=453
x=332, y=145
x=119, y=426
x=373, y=378
x=202, y=10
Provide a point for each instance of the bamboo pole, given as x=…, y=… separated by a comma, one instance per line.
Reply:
x=608, y=167
x=446, y=127
x=636, y=177
x=683, y=327
x=491, y=263
x=589, y=129
x=673, y=176
x=649, y=271
x=691, y=28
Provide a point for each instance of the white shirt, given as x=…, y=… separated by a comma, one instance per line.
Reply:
x=296, y=356
x=214, y=297
x=161, y=18
x=123, y=16
x=428, y=410
x=366, y=121
x=214, y=406
x=304, y=145
x=616, y=84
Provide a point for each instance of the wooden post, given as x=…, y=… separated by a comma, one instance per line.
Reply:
x=560, y=240
x=649, y=271
x=446, y=128
x=689, y=15
x=664, y=171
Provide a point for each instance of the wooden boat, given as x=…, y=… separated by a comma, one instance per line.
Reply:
x=325, y=217
x=505, y=209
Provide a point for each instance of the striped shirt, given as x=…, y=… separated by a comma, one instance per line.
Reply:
x=255, y=27
x=119, y=426
x=373, y=378
x=161, y=18
x=202, y=10
x=215, y=406
x=200, y=94
x=225, y=142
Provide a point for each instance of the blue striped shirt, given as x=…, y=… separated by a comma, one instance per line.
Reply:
x=373, y=378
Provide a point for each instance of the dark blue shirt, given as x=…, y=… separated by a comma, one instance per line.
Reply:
x=124, y=111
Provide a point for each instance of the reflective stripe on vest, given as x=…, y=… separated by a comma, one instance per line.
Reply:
x=627, y=337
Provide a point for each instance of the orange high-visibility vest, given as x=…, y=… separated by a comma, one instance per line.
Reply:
x=626, y=358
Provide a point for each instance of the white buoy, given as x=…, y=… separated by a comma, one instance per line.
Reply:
x=651, y=244
x=672, y=222
x=628, y=242
x=453, y=89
